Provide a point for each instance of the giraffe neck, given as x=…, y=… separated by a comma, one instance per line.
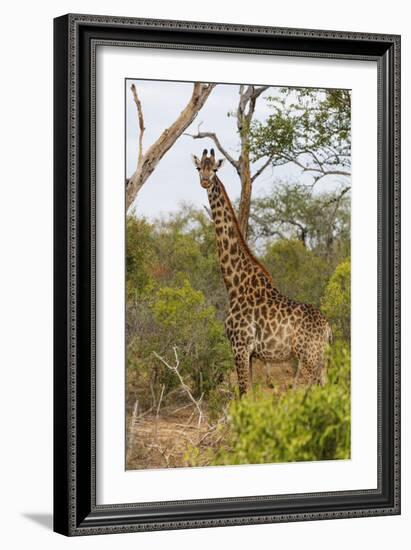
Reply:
x=236, y=260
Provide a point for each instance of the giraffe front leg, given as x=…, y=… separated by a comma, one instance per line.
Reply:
x=242, y=363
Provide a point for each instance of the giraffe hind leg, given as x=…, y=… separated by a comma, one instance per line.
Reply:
x=319, y=375
x=242, y=363
x=310, y=372
x=305, y=373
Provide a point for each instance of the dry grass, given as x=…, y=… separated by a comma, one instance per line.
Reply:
x=162, y=441
x=162, y=438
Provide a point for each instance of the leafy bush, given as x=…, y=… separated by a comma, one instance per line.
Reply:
x=320, y=220
x=297, y=271
x=184, y=247
x=177, y=317
x=301, y=424
x=139, y=254
x=336, y=302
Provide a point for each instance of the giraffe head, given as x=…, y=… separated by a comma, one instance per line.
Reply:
x=207, y=167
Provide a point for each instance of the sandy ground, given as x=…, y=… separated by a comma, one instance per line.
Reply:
x=166, y=439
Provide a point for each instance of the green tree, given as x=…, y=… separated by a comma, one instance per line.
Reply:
x=321, y=221
x=297, y=271
x=336, y=302
x=309, y=128
x=139, y=254
x=185, y=248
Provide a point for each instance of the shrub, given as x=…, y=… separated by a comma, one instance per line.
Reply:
x=297, y=271
x=177, y=316
x=139, y=253
x=301, y=424
x=336, y=302
x=185, y=248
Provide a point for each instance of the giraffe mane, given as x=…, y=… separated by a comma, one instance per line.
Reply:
x=241, y=239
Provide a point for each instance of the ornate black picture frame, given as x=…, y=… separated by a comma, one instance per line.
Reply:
x=75, y=508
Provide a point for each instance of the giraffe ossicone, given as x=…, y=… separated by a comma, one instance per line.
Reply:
x=261, y=322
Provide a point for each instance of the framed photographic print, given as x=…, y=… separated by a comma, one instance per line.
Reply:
x=227, y=279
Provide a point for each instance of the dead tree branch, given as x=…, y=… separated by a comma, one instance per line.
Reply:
x=148, y=160
x=140, y=122
x=213, y=136
x=244, y=115
x=174, y=369
x=208, y=211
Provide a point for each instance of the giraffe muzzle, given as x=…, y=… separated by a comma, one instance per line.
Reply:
x=205, y=182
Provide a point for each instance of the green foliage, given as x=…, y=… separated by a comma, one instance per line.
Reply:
x=175, y=297
x=307, y=127
x=185, y=248
x=179, y=310
x=293, y=211
x=176, y=317
x=302, y=424
x=139, y=244
x=297, y=271
x=336, y=303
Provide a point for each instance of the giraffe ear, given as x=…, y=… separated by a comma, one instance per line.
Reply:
x=220, y=162
x=195, y=160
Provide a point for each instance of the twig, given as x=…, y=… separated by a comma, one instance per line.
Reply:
x=206, y=208
x=213, y=136
x=181, y=408
x=158, y=410
x=261, y=169
x=159, y=401
x=162, y=452
x=208, y=432
x=181, y=380
x=148, y=411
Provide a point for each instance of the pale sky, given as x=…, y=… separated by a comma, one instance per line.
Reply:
x=175, y=179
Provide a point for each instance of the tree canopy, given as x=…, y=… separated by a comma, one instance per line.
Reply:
x=309, y=128
x=321, y=221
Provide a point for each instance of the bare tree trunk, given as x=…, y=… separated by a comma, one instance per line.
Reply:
x=147, y=161
x=246, y=190
x=244, y=115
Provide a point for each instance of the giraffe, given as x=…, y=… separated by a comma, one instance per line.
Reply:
x=261, y=322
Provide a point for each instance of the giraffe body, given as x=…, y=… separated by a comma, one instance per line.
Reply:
x=261, y=322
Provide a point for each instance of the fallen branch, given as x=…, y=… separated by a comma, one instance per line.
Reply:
x=148, y=160
x=162, y=451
